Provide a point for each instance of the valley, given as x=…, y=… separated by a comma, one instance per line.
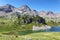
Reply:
x=18, y=23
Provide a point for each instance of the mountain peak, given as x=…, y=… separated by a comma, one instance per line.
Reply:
x=25, y=8
x=9, y=5
x=49, y=12
x=7, y=8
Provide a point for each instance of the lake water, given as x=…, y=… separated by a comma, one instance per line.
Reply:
x=54, y=29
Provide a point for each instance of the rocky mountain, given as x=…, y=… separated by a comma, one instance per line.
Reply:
x=6, y=9
x=25, y=10
x=50, y=16
x=9, y=9
x=46, y=13
x=22, y=10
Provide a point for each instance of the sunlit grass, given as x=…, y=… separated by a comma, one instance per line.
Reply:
x=33, y=36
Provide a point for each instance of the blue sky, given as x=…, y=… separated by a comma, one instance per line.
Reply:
x=46, y=5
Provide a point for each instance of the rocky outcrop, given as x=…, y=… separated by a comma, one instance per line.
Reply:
x=24, y=8
x=37, y=28
x=7, y=8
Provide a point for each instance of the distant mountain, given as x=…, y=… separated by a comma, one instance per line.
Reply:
x=50, y=16
x=22, y=10
x=7, y=8
x=25, y=10
x=46, y=13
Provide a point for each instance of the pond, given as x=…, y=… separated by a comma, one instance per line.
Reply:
x=54, y=29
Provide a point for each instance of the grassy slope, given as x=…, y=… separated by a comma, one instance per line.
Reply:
x=34, y=36
x=53, y=24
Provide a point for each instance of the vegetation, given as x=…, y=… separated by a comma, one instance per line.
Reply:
x=52, y=23
x=33, y=36
x=20, y=26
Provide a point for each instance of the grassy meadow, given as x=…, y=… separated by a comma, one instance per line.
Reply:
x=10, y=30
x=33, y=36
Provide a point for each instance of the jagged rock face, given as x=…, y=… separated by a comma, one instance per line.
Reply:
x=24, y=8
x=50, y=16
x=7, y=8
x=46, y=13
x=35, y=12
x=49, y=13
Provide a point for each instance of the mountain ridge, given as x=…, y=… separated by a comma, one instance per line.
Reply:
x=9, y=9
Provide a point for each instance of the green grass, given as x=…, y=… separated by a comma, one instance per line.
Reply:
x=53, y=24
x=9, y=30
x=33, y=36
